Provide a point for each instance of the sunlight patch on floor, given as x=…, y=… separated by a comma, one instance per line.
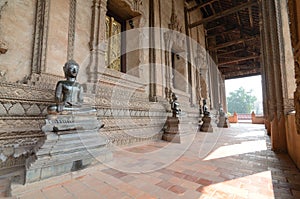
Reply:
x=251, y=134
x=236, y=149
x=243, y=187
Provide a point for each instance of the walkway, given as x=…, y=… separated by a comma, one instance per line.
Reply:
x=229, y=163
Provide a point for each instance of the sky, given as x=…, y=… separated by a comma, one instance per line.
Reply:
x=248, y=83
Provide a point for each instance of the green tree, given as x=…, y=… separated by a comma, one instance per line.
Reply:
x=241, y=101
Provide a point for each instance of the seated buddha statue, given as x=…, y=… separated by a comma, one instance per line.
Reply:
x=205, y=109
x=69, y=93
x=175, y=106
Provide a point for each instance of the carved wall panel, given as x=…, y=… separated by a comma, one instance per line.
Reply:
x=72, y=27
x=22, y=113
x=121, y=101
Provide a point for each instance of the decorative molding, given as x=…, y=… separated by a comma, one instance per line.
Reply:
x=40, y=36
x=135, y=5
x=20, y=92
x=72, y=28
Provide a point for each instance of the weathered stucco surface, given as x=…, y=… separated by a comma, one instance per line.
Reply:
x=82, y=37
x=16, y=30
x=56, y=55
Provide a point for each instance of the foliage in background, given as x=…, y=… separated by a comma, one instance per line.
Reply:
x=241, y=101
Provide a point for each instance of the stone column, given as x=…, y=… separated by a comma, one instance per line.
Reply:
x=152, y=55
x=189, y=59
x=272, y=69
x=279, y=140
x=223, y=94
x=286, y=57
x=265, y=66
x=97, y=41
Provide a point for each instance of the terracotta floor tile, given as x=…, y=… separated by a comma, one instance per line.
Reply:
x=204, y=182
x=164, y=184
x=130, y=190
x=177, y=189
x=191, y=178
x=241, y=165
x=33, y=195
x=53, y=193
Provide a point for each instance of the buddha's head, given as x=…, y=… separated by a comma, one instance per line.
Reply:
x=174, y=96
x=71, y=69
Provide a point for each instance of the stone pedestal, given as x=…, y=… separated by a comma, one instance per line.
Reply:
x=206, y=125
x=223, y=122
x=72, y=142
x=172, y=133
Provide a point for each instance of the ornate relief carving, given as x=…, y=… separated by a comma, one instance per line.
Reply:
x=18, y=92
x=135, y=5
x=71, y=33
x=10, y=108
x=18, y=143
x=22, y=112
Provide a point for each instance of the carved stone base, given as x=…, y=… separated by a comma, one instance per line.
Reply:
x=206, y=125
x=72, y=143
x=172, y=133
x=223, y=122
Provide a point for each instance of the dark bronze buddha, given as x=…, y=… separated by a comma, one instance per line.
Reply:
x=175, y=106
x=68, y=93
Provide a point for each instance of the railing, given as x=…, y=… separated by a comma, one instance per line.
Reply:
x=244, y=116
x=255, y=119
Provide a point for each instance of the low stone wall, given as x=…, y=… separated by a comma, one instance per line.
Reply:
x=233, y=118
x=244, y=116
x=257, y=119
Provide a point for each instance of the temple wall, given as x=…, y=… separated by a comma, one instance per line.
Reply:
x=16, y=30
x=40, y=43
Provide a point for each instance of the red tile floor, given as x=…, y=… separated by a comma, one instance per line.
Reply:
x=229, y=163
